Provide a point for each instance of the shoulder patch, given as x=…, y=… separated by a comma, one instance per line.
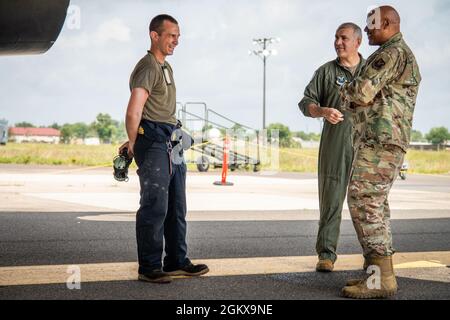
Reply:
x=378, y=64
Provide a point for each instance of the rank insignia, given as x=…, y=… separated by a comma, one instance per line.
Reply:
x=378, y=64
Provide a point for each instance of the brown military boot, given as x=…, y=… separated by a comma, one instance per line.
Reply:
x=388, y=283
x=325, y=265
x=354, y=282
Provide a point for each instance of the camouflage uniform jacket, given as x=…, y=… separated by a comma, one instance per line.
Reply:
x=386, y=89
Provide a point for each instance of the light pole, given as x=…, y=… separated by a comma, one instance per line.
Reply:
x=264, y=53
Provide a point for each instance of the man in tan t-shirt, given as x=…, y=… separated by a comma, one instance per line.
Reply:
x=150, y=122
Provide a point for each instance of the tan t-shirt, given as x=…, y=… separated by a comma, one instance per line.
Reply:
x=157, y=79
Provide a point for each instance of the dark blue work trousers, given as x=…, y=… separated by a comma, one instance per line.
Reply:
x=162, y=212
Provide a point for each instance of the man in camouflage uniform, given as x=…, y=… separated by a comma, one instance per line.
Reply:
x=383, y=98
x=321, y=99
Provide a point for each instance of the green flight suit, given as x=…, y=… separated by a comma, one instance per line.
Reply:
x=335, y=152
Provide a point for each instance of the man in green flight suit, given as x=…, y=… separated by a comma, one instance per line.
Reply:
x=322, y=99
x=383, y=99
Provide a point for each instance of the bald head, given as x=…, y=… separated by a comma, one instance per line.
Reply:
x=391, y=16
x=382, y=24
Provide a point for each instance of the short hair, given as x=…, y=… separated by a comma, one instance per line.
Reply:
x=157, y=22
x=356, y=29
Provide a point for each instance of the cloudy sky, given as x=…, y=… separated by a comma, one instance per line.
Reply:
x=87, y=71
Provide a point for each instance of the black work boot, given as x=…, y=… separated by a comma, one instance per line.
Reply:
x=192, y=270
x=155, y=276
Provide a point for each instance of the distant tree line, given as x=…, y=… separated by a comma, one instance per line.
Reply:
x=286, y=136
x=104, y=127
x=436, y=136
x=109, y=130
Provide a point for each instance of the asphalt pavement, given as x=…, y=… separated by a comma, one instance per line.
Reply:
x=40, y=232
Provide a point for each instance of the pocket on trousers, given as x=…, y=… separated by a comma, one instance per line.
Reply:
x=141, y=147
x=376, y=164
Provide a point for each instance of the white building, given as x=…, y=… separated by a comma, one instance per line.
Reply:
x=45, y=135
x=92, y=141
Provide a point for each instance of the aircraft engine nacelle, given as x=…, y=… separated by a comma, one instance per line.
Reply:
x=30, y=26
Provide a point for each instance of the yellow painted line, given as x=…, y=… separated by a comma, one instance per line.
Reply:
x=109, y=164
x=211, y=216
x=126, y=271
x=419, y=264
x=432, y=174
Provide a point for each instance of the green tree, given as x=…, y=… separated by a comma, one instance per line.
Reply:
x=66, y=133
x=206, y=127
x=284, y=134
x=80, y=130
x=238, y=130
x=307, y=136
x=302, y=135
x=105, y=127
x=24, y=124
x=417, y=136
x=55, y=126
x=314, y=136
x=114, y=129
x=438, y=135
x=92, y=131
x=121, y=133
x=297, y=134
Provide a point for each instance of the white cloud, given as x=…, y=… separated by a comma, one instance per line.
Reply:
x=80, y=40
x=112, y=30
x=432, y=58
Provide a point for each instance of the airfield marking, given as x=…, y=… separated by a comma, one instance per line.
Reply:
x=126, y=271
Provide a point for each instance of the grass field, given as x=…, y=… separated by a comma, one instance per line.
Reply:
x=430, y=162
x=290, y=159
x=57, y=154
x=425, y=162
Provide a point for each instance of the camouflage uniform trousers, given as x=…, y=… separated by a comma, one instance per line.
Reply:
x=375, y=169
